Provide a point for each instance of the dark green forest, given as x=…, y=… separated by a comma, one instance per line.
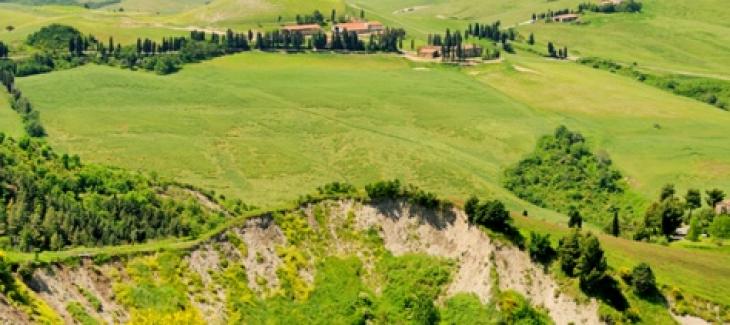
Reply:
x=50, y=202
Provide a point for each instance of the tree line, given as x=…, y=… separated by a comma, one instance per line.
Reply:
x=670, y=211
x=64, y=47
x=390, y=40
x=559, y=53
x=604, y=7
x=19, y=103
x=611, y=7
x=50, y=202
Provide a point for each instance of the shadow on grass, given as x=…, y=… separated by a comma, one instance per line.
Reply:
x=608, y=291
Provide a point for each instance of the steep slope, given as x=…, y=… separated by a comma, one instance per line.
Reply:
x=264, y=248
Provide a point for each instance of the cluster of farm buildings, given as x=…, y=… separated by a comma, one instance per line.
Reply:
x=361, y=28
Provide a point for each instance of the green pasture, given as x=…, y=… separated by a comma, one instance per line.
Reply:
x=652, y=136
x=10, y=122
x=699, y=272
x=266, y=127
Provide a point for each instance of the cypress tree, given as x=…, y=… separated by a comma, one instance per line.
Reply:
x=615, y=228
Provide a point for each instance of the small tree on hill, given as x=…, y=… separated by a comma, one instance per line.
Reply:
x=569, y=252
x=551, y=50
x=615, y=227
x=672, y=213
x=470, y=208
x=667, y=192
x=592, y=263
x=642, y=280
x=575, y=220
x=714, y=196
x=694, y=229
x=540, y=249
x=531, y=39
x=693, y=200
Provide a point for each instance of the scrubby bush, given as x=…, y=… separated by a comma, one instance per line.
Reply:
x=642, y=280
x=569, y=252
x=53, y=37
x=540, y=249
x=720, y=227
x=564, y=175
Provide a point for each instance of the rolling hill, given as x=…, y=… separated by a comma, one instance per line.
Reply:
x=268, y=127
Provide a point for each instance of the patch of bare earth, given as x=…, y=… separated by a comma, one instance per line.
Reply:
x=262, y=236
x=689, y=320
x=408, y=229
x=10, y=314
x=60, y=285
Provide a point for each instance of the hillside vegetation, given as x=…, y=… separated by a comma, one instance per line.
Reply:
x=329, y=262
x=644, y=114
x=50, y=201
x=563, y=174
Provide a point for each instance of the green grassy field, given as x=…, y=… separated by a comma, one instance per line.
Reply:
x=10, y=122
x=157, y=19
x=266, y=127
x=246, y=126
x=698, y=272
x=669, y=35
x=654, y=137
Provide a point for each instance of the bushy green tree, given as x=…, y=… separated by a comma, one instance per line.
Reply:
x=540, y=249
x=713, y=197
x=642, y=280
x=575, y=220
x=693, y=200
x=666, y=215
x=592, y=263
x=563, y=174
x=720, y=227
x=569, y=252
x=695, y=229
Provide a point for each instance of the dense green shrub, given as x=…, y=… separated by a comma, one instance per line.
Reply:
x=720, y=227
x=516, y=309
x=540, y=249
x=493, y=215
x=412, y=283
x=53, y=37
x=395, y=190
x=562, y=174
x=465, y=308
x=642, y=280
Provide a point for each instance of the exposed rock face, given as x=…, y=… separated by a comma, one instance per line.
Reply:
x=404, y=229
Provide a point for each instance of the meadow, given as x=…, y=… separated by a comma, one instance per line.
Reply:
x=10, y=122
x=669, y=36
x=264, y=127
x=157, y=19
